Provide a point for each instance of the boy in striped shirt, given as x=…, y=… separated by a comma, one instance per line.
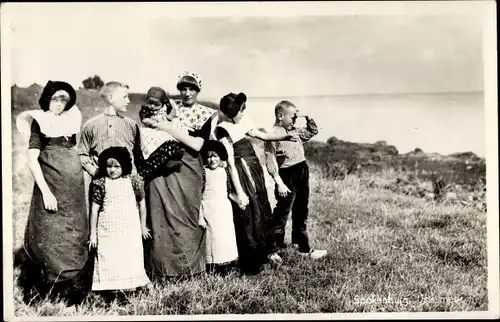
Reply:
x=287, y=165
x=108, y=129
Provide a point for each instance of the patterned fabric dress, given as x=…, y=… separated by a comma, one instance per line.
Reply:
x=173, y=200
x=56, y=243
x=217, y=210
x=252, y=224
x=120, y=260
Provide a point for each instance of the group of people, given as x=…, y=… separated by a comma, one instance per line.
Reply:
x=180, y=194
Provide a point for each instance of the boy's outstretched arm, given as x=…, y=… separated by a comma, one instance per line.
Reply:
x=265, y=136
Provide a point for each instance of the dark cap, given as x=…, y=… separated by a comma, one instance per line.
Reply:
x=51, y=88
x=231, y=104
x=217, y=147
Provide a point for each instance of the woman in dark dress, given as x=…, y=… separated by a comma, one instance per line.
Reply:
x=173, y=199
x=57, y=229
x=252, y=214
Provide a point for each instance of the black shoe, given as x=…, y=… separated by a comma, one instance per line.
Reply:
x=248, y=269
x=76, y=299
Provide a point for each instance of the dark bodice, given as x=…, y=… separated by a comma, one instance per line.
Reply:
x=244, y=149
x=40, y=141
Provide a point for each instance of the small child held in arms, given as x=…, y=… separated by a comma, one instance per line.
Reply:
x=216, y=212
x=117, y=225
x=159, y=149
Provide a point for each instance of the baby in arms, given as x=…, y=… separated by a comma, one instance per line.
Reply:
x=165, y=148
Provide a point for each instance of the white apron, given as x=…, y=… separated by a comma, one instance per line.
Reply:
x=216, y=208
x=119, y=263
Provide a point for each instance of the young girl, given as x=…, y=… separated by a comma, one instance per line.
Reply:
x=116, y=223
x=110, y=128
x=216, y=212
x=252, y=211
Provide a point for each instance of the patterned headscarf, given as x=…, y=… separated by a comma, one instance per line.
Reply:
x=190, y=78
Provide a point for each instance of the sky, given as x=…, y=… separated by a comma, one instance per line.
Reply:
x=262, y=55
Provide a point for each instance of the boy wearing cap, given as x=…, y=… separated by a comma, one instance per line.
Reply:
x=287, y=165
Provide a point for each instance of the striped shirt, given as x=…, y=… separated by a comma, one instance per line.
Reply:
x=104, y=131
x=284, y=154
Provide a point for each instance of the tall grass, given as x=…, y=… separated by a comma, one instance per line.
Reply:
x=388, y=252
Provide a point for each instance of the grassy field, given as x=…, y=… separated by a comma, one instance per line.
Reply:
x=388, y=252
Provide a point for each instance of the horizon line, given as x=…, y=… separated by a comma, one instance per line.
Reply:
x=321, y=95
x=364, y=94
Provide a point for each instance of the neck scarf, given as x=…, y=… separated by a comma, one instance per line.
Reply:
x=52, y=125
x=193, y=117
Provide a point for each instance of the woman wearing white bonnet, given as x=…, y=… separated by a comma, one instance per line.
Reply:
x=57, y=229
x=174, y=199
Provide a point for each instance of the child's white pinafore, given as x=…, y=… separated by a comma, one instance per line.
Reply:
x=119, y=263
x=216, y=208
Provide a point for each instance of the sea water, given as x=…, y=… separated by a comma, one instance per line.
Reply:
x=442, y=123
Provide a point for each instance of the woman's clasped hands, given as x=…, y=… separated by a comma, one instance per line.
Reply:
x=242, y=200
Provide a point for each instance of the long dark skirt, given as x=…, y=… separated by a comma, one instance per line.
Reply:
x=173, y=201
x=252, y=225
x=57, y=259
